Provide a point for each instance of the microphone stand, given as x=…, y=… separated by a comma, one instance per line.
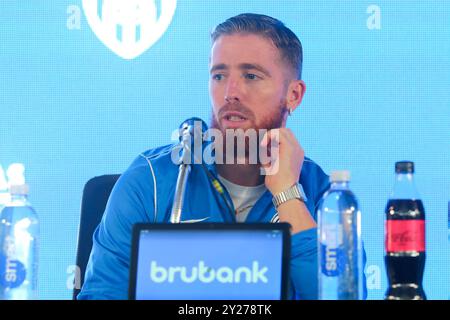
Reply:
x=183, y=174
x=180, y=189
x=190, y=133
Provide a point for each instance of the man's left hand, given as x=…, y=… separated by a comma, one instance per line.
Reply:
x=286, y=159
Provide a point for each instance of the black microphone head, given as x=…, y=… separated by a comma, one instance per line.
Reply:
x=191, y=135
x=193, y=123
x=192, y=128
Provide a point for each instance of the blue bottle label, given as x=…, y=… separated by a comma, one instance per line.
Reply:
x=12, y=271
x=331, y=254
x=333, y=260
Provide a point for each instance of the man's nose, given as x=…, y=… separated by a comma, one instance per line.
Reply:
x=233, y=92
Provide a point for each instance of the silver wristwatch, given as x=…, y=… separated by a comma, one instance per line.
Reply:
x=294, y=192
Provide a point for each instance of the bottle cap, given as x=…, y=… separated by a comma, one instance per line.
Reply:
x=16, y=179
x=404, y=167
x=340, y=176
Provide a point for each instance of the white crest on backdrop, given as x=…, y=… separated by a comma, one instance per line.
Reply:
x=129, y=27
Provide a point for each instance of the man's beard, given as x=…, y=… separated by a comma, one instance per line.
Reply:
x=252, y=151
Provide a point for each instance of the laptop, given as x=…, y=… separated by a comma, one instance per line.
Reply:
x=210, y=261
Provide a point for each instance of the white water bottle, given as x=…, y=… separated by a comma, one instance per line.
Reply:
x=339, y=242
x=19, y=236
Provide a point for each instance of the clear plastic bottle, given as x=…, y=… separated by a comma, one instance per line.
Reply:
x=339, y=242
x=19, y=236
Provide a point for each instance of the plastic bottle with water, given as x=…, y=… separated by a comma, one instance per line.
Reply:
x=19, y=235
x=339, y=242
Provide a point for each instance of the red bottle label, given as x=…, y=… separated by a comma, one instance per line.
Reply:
x=405, y=235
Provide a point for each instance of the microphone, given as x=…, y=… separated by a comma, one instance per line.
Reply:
x=191, y=135
x=191, y=130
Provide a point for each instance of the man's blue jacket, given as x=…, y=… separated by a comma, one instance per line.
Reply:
x=145, y=192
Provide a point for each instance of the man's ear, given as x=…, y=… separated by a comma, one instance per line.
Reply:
x=294, y=95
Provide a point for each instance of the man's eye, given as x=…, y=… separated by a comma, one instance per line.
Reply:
x=217, y=77
x=251, y=76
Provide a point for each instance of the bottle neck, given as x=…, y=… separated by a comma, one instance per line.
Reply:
x=339, y=185
x=404, y=187
x=19, y=198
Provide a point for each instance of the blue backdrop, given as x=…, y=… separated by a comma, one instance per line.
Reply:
x=377, y=75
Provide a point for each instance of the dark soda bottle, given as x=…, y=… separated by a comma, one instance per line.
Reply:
x=405, y=237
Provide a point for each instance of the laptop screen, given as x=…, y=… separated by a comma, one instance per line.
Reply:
x=209, y=261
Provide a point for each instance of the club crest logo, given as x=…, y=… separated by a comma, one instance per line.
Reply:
x=129, y=27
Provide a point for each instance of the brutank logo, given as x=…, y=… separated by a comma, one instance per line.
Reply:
x=205, y=274
x=129, y=27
